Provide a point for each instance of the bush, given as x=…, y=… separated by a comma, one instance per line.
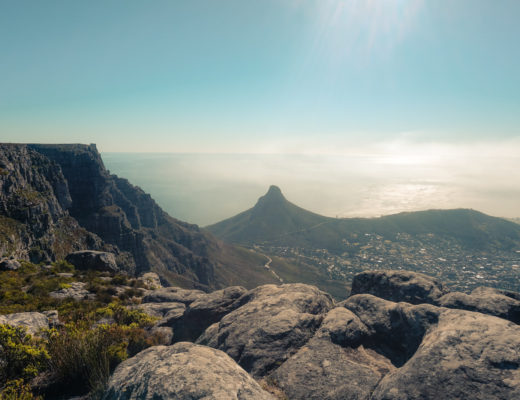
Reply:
x=17, y=390
x=21, y=356
x=83, y=357
x=125, y=316
x=62, y=266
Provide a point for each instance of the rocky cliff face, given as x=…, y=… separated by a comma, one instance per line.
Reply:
x=34, y=198
x=55, y=199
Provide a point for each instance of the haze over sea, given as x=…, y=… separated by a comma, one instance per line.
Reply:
x=206, y=188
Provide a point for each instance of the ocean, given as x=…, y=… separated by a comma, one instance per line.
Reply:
x=206, y=188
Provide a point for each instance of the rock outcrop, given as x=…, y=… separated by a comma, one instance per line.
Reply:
x=485, y=300
x=270, y=325
x=33, y=322
x=34, y=198
x=416, y=288
x=94, y=260
x=75, y=290
x=172, y=294
x=412, y=287
x=184, y=371
x=206, y=310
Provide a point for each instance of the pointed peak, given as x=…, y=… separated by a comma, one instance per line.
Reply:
x=273, y=196
x=274, y=191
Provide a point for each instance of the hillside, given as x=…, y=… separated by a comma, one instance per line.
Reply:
x=55, y=199
x=461, y=247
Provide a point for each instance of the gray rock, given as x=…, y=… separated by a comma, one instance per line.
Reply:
x=172, y=294
x=161, y=309
x=465, y=356
x=184, y=371
x=32, y=321
x=151, y=280
x=76, y=291
x=9, y=265
x=95, y=260
x=490, y=301
x=332, y=365
x=270, y=325
x=407, y=286
x=206, y=310
x=395, y=330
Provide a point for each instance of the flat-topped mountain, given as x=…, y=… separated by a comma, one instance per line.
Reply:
x=55, y=199
x=276, y=221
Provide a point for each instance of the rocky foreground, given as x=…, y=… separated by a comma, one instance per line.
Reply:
x=400, y=335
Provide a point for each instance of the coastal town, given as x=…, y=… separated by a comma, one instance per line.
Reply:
x=458, y=268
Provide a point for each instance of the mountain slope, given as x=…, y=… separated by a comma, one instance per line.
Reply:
x=70, y=183
x=276, y=221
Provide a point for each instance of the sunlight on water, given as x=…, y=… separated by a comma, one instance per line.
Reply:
x=206, y=188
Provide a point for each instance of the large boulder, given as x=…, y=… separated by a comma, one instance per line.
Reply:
x=90, y=259
x=465, y=356
x=333, y=364
x=172, y=294
x=380, y=350
x=184, y=371
x=503, y=304
x=407, y=286
x=33, y=322
x=206, y=310
x=270, y=325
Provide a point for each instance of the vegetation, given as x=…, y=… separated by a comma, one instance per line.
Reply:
x=77, y=356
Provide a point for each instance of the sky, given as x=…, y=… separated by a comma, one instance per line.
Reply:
x=401, y=77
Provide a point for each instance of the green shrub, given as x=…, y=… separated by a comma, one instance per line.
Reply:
x=119, y=279
x=83, y=357
x=62, y=266
x=17, y=389
x=21, y=356
x=125, y=316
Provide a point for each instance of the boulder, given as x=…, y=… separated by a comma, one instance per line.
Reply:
x=407, y=286
x=206, y=310
x=172, y=294
x=76, y=291
x=381, y=350
x=33, y=322
x=9, y=265
x=499, y=303
x=270, y=324
x=395, y=330
x=161, y=309
x=96, y=260
x=332, y=365
x=466, y=355
x=184, y=371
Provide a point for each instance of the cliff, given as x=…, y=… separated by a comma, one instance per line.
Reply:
x=65, y=191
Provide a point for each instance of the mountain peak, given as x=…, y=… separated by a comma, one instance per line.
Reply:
x=274, y=191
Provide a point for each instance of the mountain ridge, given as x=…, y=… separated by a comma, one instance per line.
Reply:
x=285, y=223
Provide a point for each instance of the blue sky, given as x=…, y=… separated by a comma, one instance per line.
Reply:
x=259, y=76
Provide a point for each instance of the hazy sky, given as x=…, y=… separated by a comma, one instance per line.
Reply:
x=260, y=76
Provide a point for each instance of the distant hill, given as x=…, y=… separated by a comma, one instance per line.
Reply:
x=55, y=199
x=276, y=221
